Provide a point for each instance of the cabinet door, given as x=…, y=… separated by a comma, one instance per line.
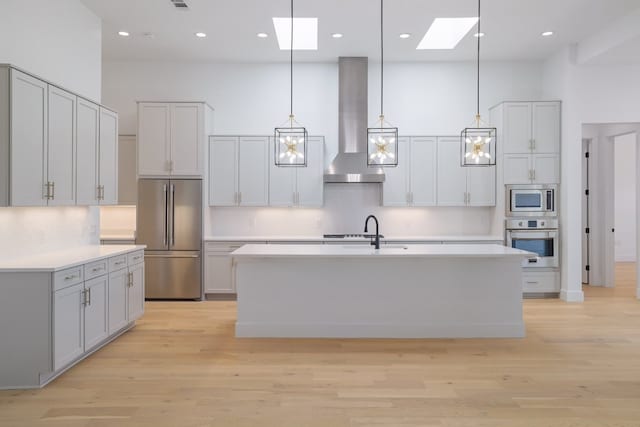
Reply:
x=395, y=189
x=153, y=139
x=187, y=133
x=546, y=127
x=127, y=182
x=28, y=140
x=253, y=171
x=481, y=186
x=87, y=141
x=517, y=127
x=108, y=166
x=310, y=180
x=217, y=273
x=452, y=178
x=96, y=323
x=423, y=171
x=68, y=325
x=517, y=169
x=223, y=172
x=282, y=181
x=118, y=307
x=135, y=296
x=61, y=133
x=546, y=168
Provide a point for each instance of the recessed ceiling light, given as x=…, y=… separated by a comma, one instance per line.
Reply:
x=123, y=33
x=446, y=33
x=478, y=35
x=336, y=35
x=547, y=33
x=262, y=35
x=305, y=29
x=405, y=35
x=201, y=35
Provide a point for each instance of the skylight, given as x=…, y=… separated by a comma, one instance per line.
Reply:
x=305, y=35
x=446, y=33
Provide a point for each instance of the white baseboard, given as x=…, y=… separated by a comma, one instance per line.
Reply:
x=571, y=296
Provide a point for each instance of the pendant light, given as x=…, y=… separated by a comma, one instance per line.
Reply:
x=382, y=138
x=290, y=139
x=478, y=143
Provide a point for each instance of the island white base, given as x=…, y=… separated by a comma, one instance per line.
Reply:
x=379, y=297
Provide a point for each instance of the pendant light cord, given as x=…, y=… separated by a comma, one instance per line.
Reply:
x=478, y=66
x=291, y=69
x=381, y=58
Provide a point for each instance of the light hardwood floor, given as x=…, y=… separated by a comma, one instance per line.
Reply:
x=181, y=366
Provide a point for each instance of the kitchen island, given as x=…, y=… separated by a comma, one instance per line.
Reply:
x=398, y=291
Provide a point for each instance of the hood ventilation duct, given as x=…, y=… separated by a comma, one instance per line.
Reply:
x=350, y=164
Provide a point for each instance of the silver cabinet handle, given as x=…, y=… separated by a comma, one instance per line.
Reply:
x=468, y=198
x=533, y=141
x=70, y=277
x=53, y=190
x=119, y=262
x=534, y=174
x=89, y=292
x=84, y=297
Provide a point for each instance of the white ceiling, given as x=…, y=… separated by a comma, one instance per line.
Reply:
x=513, y=28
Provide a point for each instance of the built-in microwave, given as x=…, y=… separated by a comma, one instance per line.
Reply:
x=531, y=200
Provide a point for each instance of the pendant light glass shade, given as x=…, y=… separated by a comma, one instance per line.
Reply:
x=290, y=139
x=382, y=138
x=290, y=145
x=478, y=143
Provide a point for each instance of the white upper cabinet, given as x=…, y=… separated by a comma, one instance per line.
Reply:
x=153, y=139
x=462, y=186
x=87, y=140
x=108, y=161
x=517, y=127
x=28, y=140
x=517, y=168
x=51, y=155
x=298, y=186
x=238, y=171
x=171, y=138
x=413, y=181
x=61, y=147
x=545, y=127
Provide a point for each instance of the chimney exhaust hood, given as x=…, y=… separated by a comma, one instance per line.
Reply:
x=350, y=164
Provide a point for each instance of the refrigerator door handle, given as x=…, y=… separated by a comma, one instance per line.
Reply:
x=173, y=215
x=164, y=202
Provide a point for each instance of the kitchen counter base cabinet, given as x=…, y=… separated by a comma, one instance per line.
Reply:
x=52, y=320
x=424, y=291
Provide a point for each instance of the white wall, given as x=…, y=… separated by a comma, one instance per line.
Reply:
x=60, y=41
x=25, y=231
x=590, y=94
x=420, y=98
x=625, y=198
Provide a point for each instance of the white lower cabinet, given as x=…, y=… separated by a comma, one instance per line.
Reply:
x=96, y=314
x=135, y=294
x=68, y=325
x=126, y=291
x=540, y=282
x=118, y=290
x=218, y=268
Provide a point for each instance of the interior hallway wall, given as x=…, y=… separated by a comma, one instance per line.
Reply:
x=625, y=198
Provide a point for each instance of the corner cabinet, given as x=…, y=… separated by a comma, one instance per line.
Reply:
x=172, y=138
x=413, y=181
x=44, y=134
x=462, y=186
x=298, y=186
x=238, y=171
x=529, y=134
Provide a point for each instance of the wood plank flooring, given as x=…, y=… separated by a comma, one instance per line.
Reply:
x=578, y=366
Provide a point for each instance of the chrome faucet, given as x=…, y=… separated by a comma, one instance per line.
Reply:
x=375, y=242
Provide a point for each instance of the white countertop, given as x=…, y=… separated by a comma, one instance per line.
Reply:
x=419, y=251
x=319, y=238
x=59, y=260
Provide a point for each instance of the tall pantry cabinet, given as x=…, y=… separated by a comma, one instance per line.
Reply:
x=53, y=149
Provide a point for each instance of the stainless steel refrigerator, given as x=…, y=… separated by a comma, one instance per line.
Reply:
x=169, y=222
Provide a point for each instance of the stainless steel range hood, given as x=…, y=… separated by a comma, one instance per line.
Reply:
x=350, y=164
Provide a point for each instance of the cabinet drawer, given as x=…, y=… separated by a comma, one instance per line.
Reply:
x=95, y=269
x=136, y=257
x=540, y=282
x=68, y=277
x=118, y=262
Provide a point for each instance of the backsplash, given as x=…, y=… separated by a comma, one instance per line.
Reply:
x=26, y=231
x=346, y=207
